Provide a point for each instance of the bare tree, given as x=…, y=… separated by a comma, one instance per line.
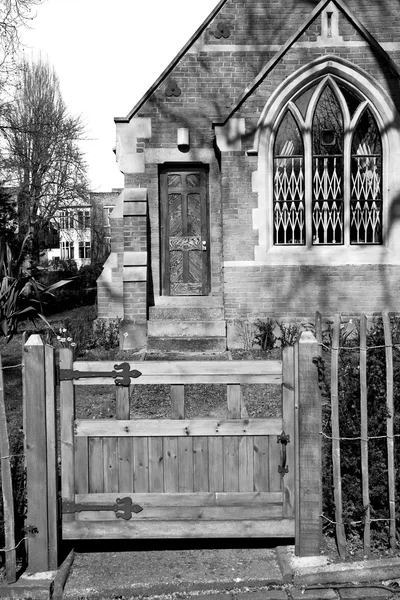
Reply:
x=42, y=155
x=14, y=15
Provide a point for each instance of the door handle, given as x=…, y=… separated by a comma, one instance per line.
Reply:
x=204, y=246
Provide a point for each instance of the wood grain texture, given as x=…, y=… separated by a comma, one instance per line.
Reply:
x=310, y=467
x=36, y=459
x=364, y=435
x=271, y=528
x=81, y=465
x=190, y=499
x=234, y=397
x=231, y=464
x=184, y=372
x=52, y=462
x=200, y=464
x=261, y=464
x=125, y=464
x=96, y=467
x=156, y=466
x=216, y=464
x=192, y=513
x=185, y=464
x=177, y=401
x=181, y=428
x=289, y=416
x=110, y=465
x=171, y=479
x=389, y=429
x=140, y=464
x=7, y=489
x=246, y=463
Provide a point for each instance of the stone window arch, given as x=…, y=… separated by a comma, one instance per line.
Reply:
x=327, y=168
x=362, y=226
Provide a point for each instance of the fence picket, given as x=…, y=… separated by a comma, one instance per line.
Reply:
x=364, y=435
x=6, y=480
x=389, y=429
x=337, y=480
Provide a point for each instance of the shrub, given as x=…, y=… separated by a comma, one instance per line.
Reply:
x=349, y=423
x=265, y=336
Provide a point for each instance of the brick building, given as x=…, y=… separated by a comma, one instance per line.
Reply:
x=262, y=175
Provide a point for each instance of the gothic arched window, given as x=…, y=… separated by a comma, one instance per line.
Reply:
x=327, y=175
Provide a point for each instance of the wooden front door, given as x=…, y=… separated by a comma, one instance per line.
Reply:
x=185, y=231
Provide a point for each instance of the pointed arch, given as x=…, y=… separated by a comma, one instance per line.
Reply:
x=355, y=92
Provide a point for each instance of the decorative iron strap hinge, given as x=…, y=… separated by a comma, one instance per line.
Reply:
x=284, y=440
x=122, y=374
x=123, y=507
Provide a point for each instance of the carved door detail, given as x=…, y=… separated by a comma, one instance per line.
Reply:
x=184, y=228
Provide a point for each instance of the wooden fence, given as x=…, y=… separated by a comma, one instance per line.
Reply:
x=299, y=380
x=361, y=329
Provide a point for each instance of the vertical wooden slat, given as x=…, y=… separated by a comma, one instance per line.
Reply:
x=96, y=473
x=275, y=478
x=125, y=465
x=110, y=464
x=36, y=448
x=200, y=464
x=52, y=472
x=246, y=463
x=67, y=417
x=122, y=398
x=156, y=469
x=261, y=463
x=216, y=464
x=389, y=429
x=185, y=464
x=124, y=445
x=177, y=401
x=288, y=418
x=7, y=489
x=23, y=341
x=296, y=386
x=337, y=479
x=140, y=464
x=309, y=453
x=231, y=463
x=171, y=480
x=81, y=465
x=364, y=435
x=234, y=400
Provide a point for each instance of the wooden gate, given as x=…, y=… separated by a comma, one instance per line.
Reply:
x=175, y=477
x=178, y=478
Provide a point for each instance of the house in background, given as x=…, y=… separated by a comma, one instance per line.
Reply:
x=261, y=176
x=84, y=230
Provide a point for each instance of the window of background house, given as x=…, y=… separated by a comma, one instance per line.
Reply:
x=67, y=250
x=84, y=249
x=327, y=175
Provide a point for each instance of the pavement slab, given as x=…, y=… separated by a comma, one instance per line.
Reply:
x=152, y=572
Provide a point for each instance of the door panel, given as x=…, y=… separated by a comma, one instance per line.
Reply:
x=184, y=230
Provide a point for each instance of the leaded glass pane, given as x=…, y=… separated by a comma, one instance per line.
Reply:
x=327, y=139
x=366, y=183
x=289, y=222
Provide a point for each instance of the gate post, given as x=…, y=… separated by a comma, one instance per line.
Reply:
x=308, y=527
x=41, y=455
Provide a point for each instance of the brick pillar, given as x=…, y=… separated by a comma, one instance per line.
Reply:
x=133, y=329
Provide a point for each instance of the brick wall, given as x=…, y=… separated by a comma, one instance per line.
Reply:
x=272, y=291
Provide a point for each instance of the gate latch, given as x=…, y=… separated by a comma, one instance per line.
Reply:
x=283, y=439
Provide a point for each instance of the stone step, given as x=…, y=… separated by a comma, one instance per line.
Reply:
x=187, y=313
x=186, y=344
x=186, y=329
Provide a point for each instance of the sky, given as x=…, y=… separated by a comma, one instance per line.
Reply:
x=107, y=54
